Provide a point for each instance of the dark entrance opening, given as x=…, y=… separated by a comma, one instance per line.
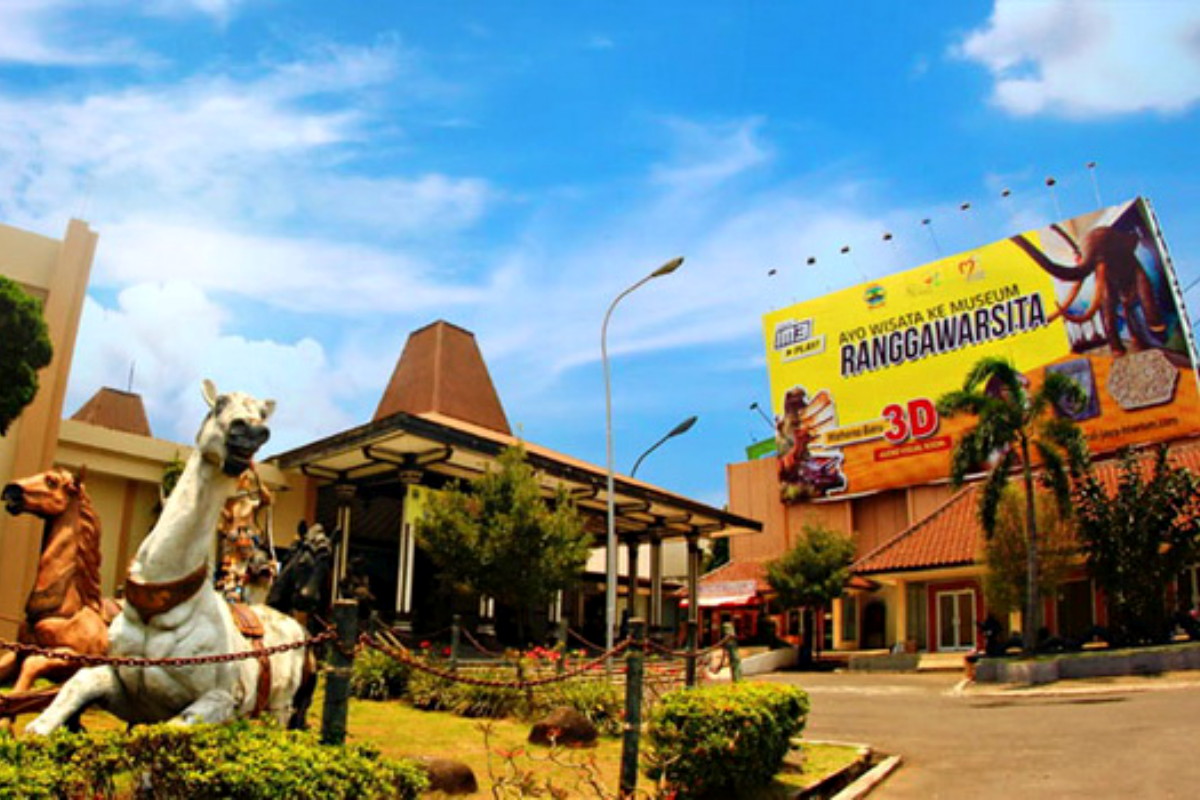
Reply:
x=874, y=626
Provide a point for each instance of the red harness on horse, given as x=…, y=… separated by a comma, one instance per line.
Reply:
x=152, y=599
x=251, y=627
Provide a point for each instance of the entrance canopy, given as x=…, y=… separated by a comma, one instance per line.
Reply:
x=432, y=448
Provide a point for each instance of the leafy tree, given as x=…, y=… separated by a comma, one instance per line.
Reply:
x=1139, y=539
x=172, y=472
x=814, y=572
x=718, y=556
x=1013, y=424
x=24, y=349
x=1006, y=552
x=500, y=537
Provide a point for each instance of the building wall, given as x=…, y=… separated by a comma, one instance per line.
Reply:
x=878, y=517
x=57, y=272
x=870, y=519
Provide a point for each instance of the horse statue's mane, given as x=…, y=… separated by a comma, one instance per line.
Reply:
x=87, y=551
x=78, y=524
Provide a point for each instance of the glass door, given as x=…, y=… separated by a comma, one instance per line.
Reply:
x=956, y=619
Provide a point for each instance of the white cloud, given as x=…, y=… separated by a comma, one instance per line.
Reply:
x=244, y=188
x=40, y=32
x=1088, y=58
x=220, y=10
x=301, y=274
x=707, y=155
x=172, y=335
x=201, y=136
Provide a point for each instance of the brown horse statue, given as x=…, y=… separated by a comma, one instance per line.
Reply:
x=65, y=610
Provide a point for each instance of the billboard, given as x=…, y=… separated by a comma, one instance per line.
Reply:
x=855, y=375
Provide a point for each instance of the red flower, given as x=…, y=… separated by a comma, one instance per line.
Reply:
x=425, y=645
x=446, y=652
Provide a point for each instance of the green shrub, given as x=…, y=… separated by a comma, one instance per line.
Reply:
x=603, y=703
x=69, y=765
x=162, y=762
x=494, y=702
x=378, y=676
x=713, y=740
x=431, y=692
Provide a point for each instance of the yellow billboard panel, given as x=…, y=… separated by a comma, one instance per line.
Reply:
x=855, y=375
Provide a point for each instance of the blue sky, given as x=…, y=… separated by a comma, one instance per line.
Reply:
x=285, y=189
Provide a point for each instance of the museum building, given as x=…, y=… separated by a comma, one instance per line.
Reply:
x=439, y=421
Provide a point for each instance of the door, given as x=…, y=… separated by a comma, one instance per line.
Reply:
x=874, y=625
x=1075, y=609
x=956, y=620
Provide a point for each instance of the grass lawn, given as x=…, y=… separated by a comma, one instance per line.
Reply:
x=398, y=730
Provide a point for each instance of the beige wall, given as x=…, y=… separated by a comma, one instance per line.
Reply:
x=123, y=476
x=57, y=271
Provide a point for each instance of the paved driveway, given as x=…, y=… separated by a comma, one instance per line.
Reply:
x=1135, y=738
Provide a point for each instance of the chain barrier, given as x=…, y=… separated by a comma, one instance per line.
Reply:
x=685, y=654
x=479, y=646
x=404, y=657
x=588, y=644
x=82, y=660
x=419, y=637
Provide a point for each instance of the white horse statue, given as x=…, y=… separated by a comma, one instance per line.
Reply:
x=172, y=610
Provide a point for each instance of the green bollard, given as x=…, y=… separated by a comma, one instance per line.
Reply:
x=690, y=669
x=455, y=632
x=560, y=664
x=731, y=647
x=337, y=680
x=634, y=665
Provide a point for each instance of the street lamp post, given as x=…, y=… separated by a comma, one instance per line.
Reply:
x=610, y=544
x=756, y=407
x=681, y=428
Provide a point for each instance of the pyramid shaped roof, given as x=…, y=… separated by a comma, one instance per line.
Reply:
x=442, y=371
x=115, y=409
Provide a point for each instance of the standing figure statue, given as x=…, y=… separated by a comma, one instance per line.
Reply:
x=245, y=564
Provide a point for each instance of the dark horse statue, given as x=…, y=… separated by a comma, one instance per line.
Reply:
x=304, y=590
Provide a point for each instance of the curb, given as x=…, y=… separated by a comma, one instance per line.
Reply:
x=869, y=780
x=848, y=775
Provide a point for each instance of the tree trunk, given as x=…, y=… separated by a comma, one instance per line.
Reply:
x=1032, y=595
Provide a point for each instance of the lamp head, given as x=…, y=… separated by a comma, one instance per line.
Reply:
x=667, y=268
x=683, y=427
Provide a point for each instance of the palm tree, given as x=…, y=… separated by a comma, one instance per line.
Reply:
x=1013, y=424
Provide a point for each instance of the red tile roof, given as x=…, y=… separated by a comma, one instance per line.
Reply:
x=739, y=571
x=951, y=535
